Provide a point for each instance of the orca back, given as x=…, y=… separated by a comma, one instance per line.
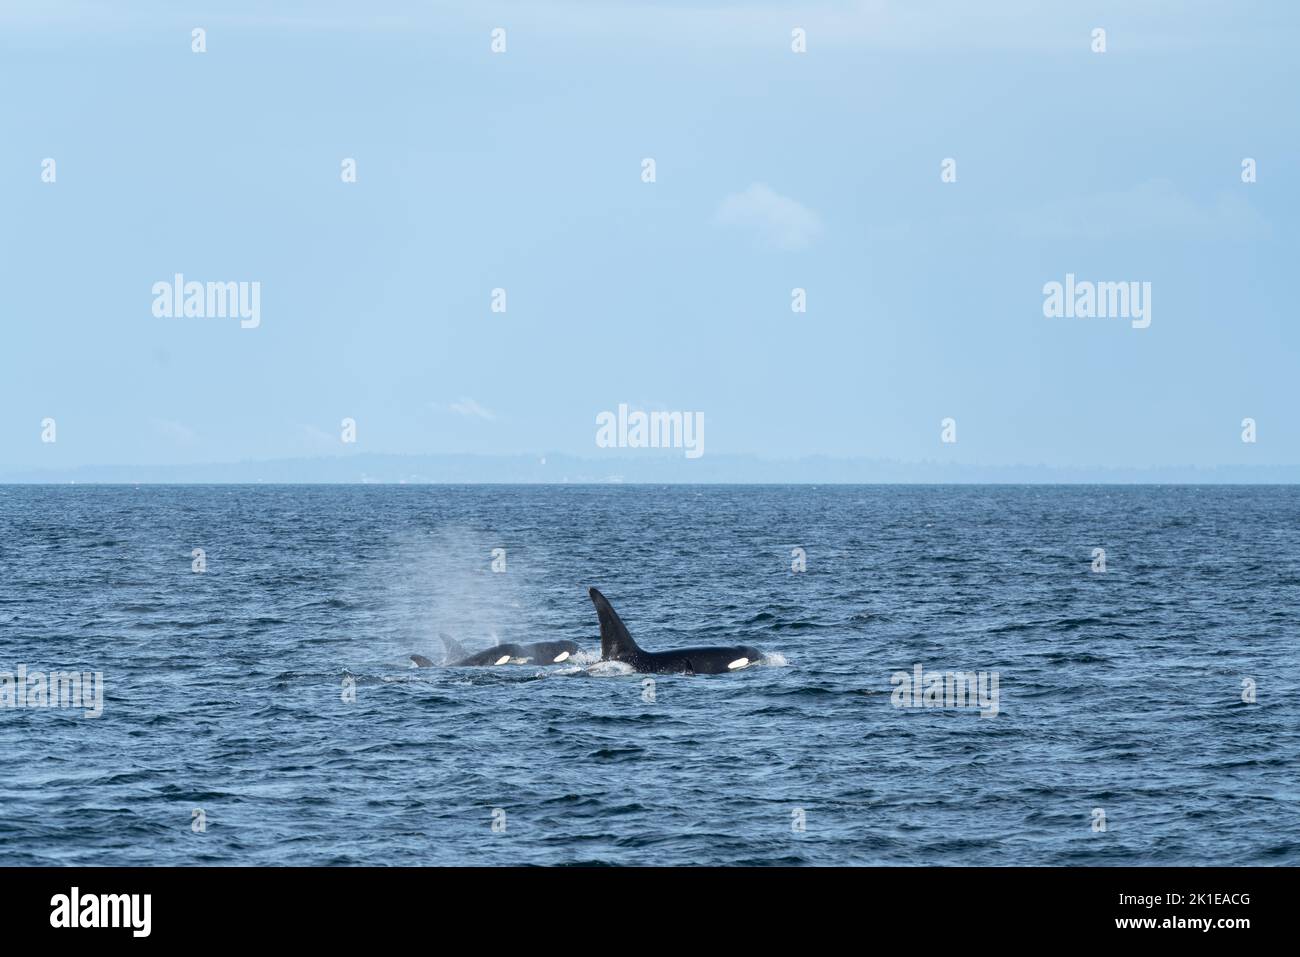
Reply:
x=545, y=652
x=709, y=660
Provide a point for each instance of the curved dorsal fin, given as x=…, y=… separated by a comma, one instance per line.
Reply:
x=615, y=641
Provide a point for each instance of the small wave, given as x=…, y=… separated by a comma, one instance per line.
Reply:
x=616, y=754
x=1075, y=658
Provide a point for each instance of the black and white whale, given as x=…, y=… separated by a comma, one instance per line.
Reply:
x=510, y=653
x=616, y=644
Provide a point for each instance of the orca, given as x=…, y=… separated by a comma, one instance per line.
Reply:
x=531, y=653
x=616, y=644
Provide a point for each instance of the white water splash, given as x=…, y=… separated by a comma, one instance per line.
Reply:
x=610, y=669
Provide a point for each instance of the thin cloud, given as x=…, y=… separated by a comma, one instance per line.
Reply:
x=1154, y=208
x=316, y=435
x=777, y=220
x=176, y=432
x=471, y=409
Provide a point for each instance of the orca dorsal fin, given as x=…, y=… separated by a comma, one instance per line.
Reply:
x=421, y=661
x=615, y=641
x=452, y=648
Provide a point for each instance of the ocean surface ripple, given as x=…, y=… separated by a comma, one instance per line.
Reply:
x=225, y=690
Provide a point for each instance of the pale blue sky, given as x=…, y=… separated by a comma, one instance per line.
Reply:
x=522, y=171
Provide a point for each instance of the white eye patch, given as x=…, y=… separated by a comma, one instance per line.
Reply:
x=560, y=657
x=502, y=660
x=738, y=663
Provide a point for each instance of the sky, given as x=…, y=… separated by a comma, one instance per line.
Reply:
x=774, y=170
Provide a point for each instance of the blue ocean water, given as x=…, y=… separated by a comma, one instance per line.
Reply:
x=225, y=690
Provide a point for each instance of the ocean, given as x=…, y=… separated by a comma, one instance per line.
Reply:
x=262, y=709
